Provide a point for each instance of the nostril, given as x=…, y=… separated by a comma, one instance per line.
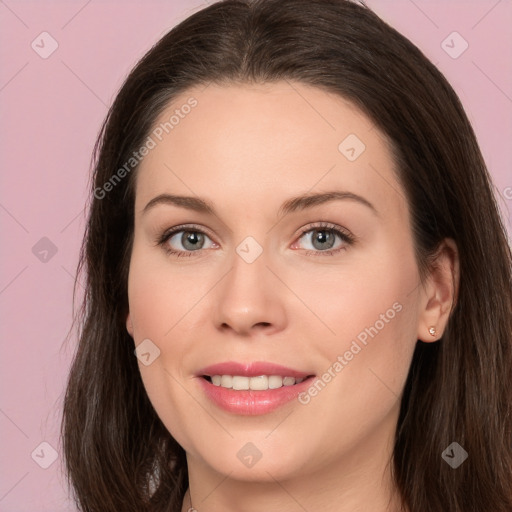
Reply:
x=264, y=324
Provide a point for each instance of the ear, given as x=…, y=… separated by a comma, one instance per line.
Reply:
x=439, y=292
x=129, y=325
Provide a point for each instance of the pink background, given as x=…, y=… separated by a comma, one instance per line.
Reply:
x=51, y=111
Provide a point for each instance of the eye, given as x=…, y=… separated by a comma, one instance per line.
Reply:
x=184, y=240
x=322, y=238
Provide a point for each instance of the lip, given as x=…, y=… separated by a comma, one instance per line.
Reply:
x=251, y=402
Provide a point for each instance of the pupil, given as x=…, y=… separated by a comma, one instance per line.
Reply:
x=323, y=236
x=192, y=238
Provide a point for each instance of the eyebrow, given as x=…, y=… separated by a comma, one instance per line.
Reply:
x=309, y=200
x=293, y=204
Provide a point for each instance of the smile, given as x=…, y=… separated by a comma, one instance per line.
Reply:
x=252, y=388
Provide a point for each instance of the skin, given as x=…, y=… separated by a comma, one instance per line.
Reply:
x=247, y=149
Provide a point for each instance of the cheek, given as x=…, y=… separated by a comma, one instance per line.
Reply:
x=367, y=299
x=160, y=296
x=366, y=367
x=371, y=315
x=162, y=304
x=376, y=358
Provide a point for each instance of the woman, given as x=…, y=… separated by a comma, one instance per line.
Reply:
x=298, y=283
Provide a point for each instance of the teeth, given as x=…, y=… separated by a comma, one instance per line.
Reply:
x=260, y=383
x=275, y=381
x=226, y=381
x=240, y=382
x=288, y=381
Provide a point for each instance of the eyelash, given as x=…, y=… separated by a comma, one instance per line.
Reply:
x=345, y=236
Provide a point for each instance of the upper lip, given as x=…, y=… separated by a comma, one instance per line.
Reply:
x=253, y=369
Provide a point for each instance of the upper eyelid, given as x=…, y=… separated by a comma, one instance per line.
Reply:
x=202, y=229
x=322, y=225
x=168, y=233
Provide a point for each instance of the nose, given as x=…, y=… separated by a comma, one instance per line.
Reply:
x=251, y=299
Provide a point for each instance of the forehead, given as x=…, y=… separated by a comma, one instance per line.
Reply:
x=255, y=142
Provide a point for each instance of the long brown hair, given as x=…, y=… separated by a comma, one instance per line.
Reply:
x=119, y=456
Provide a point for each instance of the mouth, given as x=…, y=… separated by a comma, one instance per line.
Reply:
x=252, y=388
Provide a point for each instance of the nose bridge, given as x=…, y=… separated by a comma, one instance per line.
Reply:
x=249, y=265
x=248, y=278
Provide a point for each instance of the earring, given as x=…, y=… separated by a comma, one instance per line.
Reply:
x=432, y=331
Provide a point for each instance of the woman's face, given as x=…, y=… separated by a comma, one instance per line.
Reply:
x=326, y=287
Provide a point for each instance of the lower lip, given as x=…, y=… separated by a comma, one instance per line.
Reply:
x=251, y=402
